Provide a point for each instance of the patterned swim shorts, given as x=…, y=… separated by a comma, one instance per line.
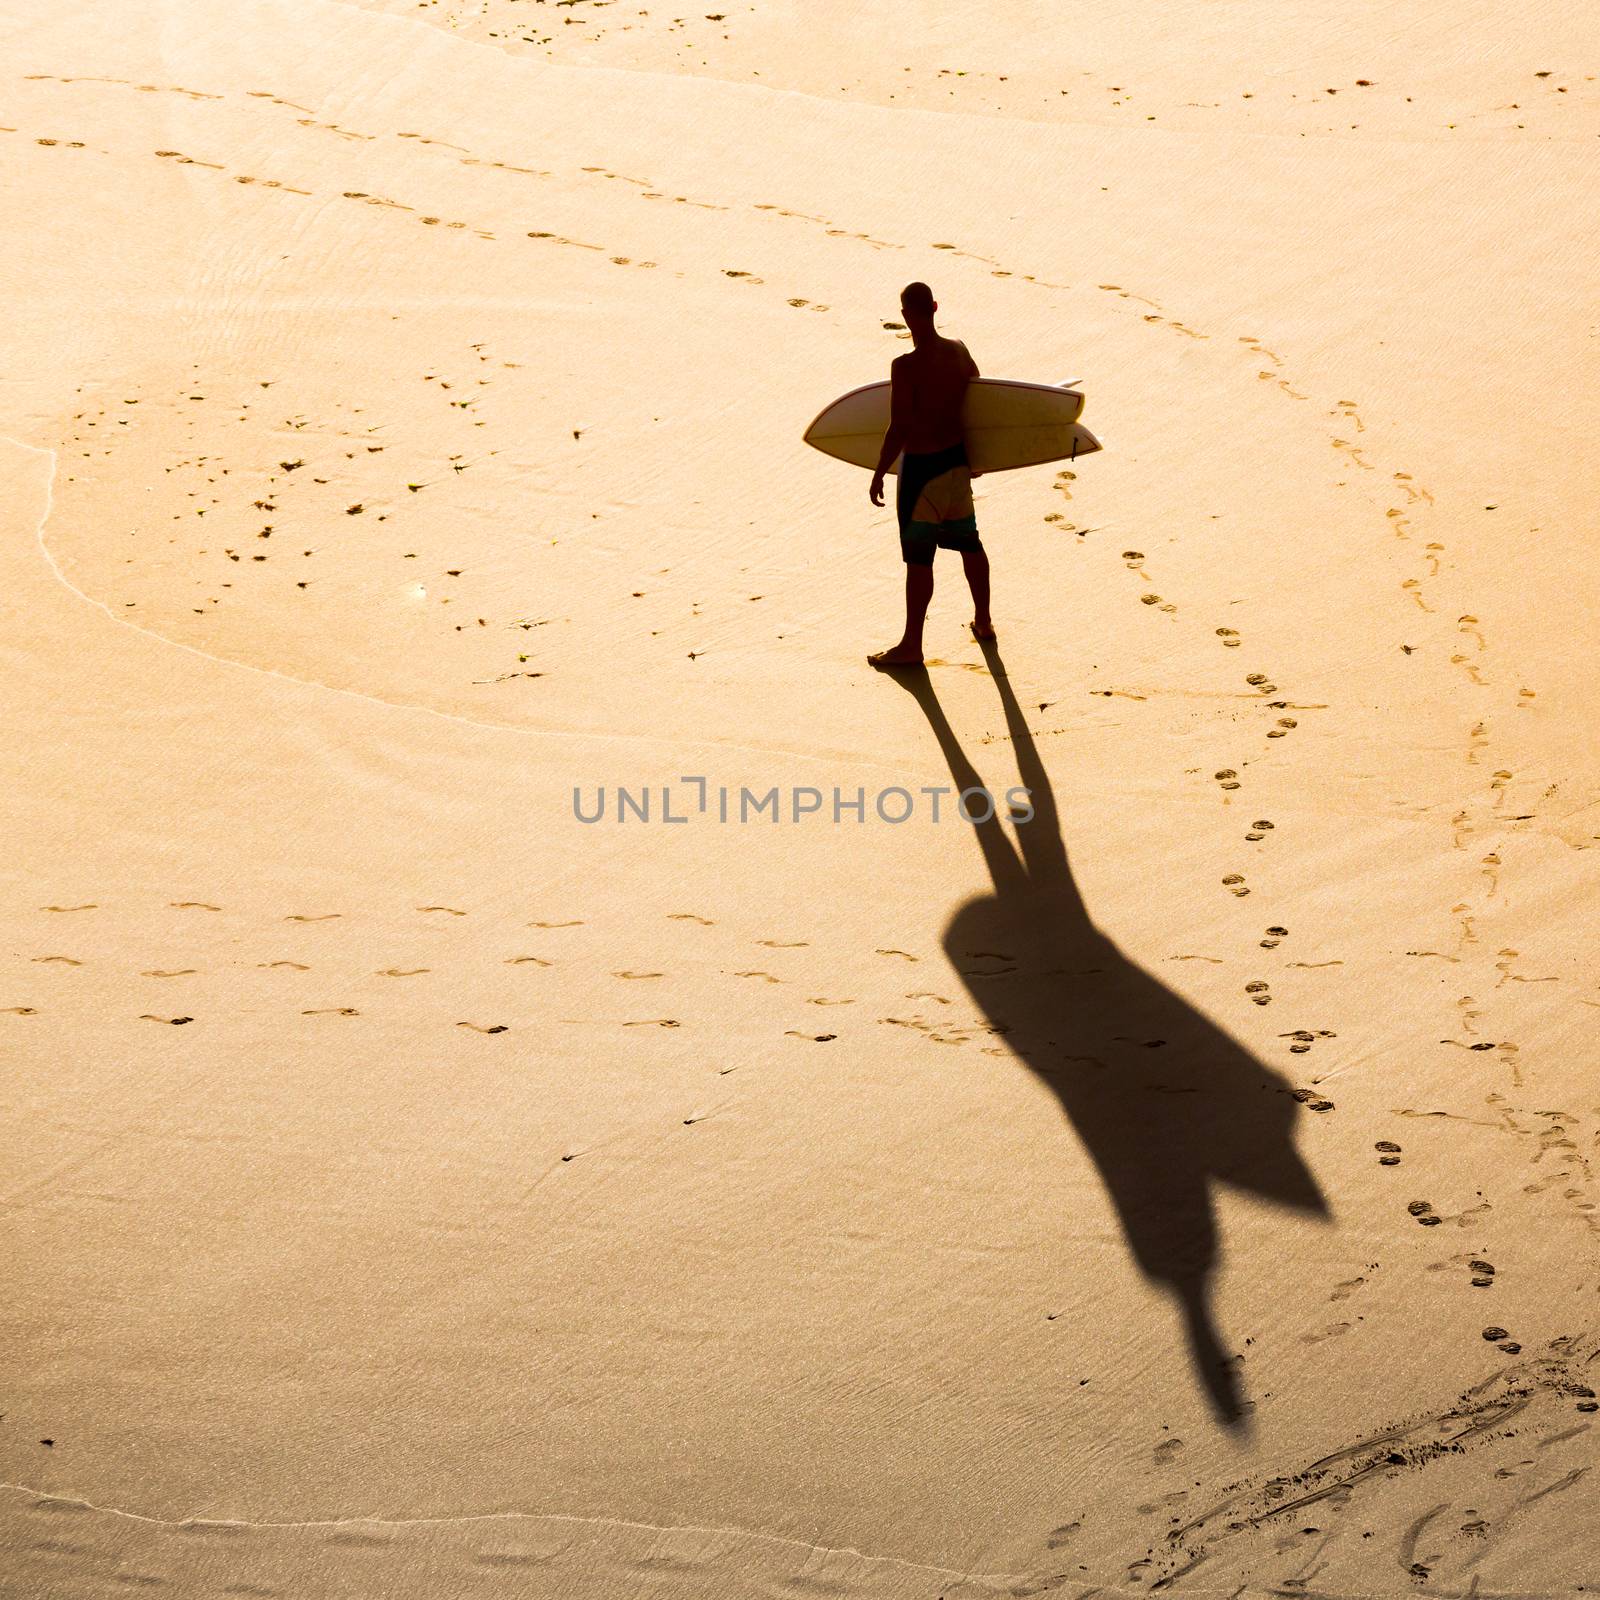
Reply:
x=934, y=503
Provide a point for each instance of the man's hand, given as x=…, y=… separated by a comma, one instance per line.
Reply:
x=875, y=493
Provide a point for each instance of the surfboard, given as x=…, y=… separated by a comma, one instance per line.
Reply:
x=1008, y=422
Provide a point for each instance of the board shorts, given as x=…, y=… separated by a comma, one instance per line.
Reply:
x=934, y=502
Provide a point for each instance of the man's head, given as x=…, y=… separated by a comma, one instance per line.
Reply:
x=917, y=304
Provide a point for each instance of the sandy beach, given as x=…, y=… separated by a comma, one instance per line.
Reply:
x=412, y=1188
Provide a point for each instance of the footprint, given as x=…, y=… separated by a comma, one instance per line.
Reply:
x=190, y=161
x=1332, y=1331
x=1482, y=1274
x=1227, y=778
x=375, y=200
x=1229, y=637
x=1284, y=724
x=1388, y=1153
x=1274, y=935
x=1165, y=1451
x=1236, y=884
x=1311, y=1100
x=1258, y=831
x=1257, y=990
x=1424, y=1213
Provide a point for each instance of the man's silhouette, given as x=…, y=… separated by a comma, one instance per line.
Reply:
x=1169, y=1107
x=928, y=385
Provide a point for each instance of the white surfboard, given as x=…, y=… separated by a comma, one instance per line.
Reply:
x=1008, y=423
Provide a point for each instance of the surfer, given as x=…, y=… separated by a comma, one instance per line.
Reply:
x=933, y=499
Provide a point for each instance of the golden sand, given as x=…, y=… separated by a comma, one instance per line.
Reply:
x=412, y=1190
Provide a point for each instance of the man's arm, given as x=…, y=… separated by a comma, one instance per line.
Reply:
x=899, y=417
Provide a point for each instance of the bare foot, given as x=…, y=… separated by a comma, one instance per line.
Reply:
x=982, y=630
x=899, y=655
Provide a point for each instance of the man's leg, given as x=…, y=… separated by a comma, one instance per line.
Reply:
x=919, y=591
x=975, y=563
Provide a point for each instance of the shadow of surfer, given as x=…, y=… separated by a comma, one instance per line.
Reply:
x=1166, y=1103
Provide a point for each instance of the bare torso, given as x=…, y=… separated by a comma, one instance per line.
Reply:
x=938, y=375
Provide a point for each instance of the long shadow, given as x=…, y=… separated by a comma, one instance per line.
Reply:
x=1165, y=1102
